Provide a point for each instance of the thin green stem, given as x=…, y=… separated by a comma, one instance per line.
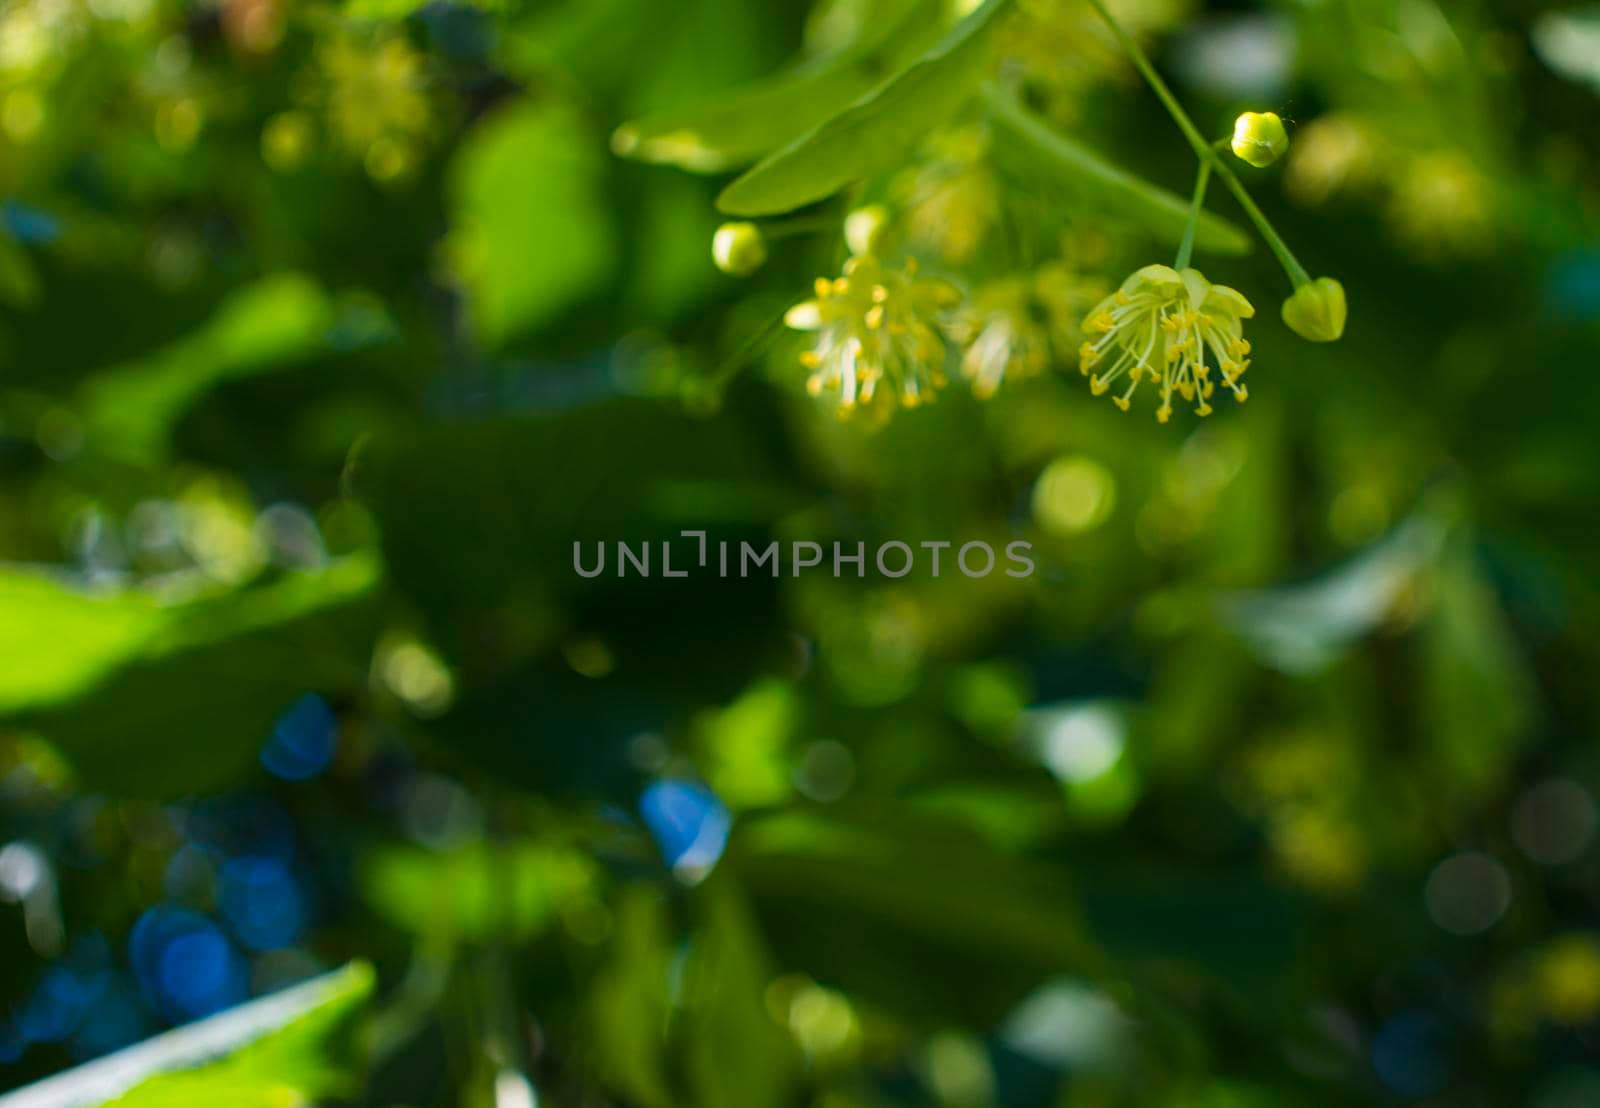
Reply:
x=1186, y=247
x=1204, y=150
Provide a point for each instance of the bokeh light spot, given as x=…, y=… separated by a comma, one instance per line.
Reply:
x=303, y=741
x=1074, y=494
x=690, y=826
x=1467, y=893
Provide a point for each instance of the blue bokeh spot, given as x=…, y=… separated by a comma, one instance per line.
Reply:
x=303, y=740
x=689, y=824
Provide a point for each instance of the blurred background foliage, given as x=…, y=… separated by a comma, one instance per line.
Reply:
x=326, y=328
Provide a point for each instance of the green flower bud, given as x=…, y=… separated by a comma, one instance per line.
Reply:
x=739, y=248
x=864, y=227
x=1316, y=311
x=1259, y=138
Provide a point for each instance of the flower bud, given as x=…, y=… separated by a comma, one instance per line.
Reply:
x=1316, y=311
x=1259, y=138
x=739, y=248
x=864, y=227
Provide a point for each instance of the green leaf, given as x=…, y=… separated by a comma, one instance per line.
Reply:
x=129, y=411
x=533, y=232
x=1476, y=693
x=291, y=1047
x=736, y=1056
x=876, y=130
x=918, y=876
x=742, y=125
x=629, y=1000
x=1164, y=214
x=157, y=699
x=512, y=890
x=89, y=635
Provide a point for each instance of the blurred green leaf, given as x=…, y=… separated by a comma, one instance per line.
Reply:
x=746, y=123
x=130, y=410
x=290, y=1047
x=874, y=131
x=1162, y=213
x=89, y=635
x=158, y=700
x=744, y=745
x=310, y=1058
x=628, y=999
x=1476, y=693
x=533, y=233
x=735, y=1054
x=918, y=876
x=483, y=890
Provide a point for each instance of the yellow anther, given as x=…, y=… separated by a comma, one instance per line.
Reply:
x=1098, y=386
x=1121, y=402
x=824, y=287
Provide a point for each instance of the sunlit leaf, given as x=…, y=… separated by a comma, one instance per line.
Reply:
x=511, y=890
x=742, y=125
x=159, y=699
x=874, y=131
x=89, y=635
x=288, y=1048
x=130, y=410
x=533, y=235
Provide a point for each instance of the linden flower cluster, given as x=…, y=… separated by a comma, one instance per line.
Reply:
x=1000, y=337
x=1160, y=324
x=373, y=95
x=879, y=335
x=1011, y=328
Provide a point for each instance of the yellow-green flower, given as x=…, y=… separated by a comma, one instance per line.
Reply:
x=1161, y=324
x=374, y=97
x=999, y=336
x=878, y=335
